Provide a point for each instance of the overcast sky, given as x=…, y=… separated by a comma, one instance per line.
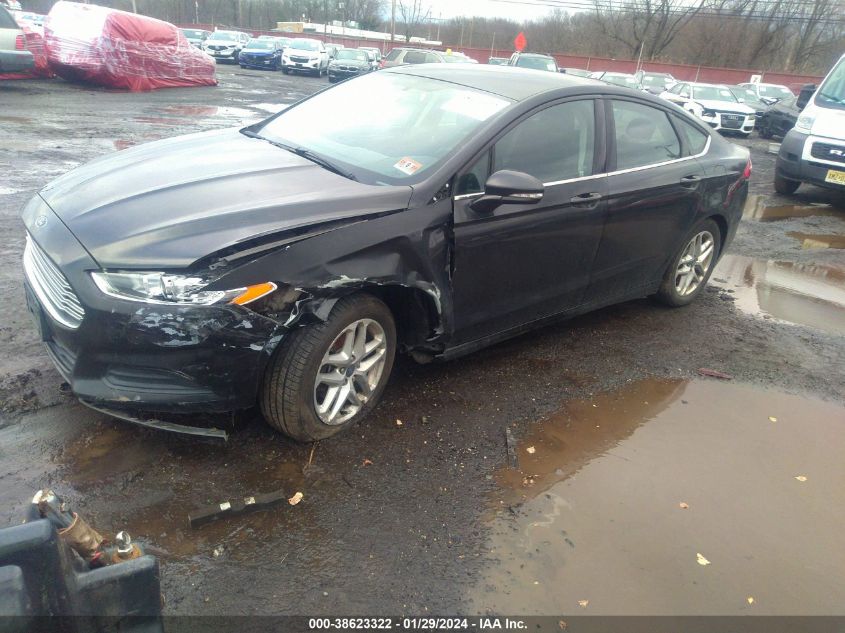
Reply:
x=489, y=8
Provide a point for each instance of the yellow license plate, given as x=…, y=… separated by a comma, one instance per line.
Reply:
x=836, y=177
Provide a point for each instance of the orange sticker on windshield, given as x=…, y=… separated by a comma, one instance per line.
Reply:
x=408, y=166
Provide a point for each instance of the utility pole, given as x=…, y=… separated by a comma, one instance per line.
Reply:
x=493, y=45
x=134, y=7
x=461, y=45
x=471, y=23
x=392, y=21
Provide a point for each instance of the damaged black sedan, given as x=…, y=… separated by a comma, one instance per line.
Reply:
x=284, y=264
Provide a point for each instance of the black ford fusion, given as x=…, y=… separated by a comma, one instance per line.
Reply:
x=284, y=264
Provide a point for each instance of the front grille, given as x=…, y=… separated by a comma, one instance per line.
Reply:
x=301, y=60
x=826, y=151
x=218, y=47
x=51, y=286
x=349, y=69
x=733, y=121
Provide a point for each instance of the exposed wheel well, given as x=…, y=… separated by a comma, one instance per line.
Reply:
x=414, y=311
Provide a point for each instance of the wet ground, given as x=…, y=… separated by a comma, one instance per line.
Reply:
x=641, y=486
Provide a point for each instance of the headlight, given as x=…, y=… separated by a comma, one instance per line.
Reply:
x=163, y=288
x=706, y=112
x=805, y=123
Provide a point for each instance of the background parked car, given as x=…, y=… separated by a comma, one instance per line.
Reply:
x=284, y=41
x=305, y=55
x=402, y=56
x=196, y=37
x=225, y=45
x=618, y=79
x=750, y=98
x=535, y=61
x=263, y=54
x=349, y=62
x=376, y=54
x=769, y=93
x=498, y=61
x=576, y=72
x=779, y=119
x=332, y=49
x=13, y=54
x=655, y=83
x=714, y=104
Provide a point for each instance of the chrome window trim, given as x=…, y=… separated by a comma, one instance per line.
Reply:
x=554, y=183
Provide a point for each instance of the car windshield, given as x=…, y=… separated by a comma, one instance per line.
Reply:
x=347, y=53
x=713, y=93
x=654, y=81
x=192, y=33
x=224, y=37
x=261, y=44
x=775, y=92
x=832, y=91
x=421, y=122
x=305, y=45
x=537, y=63
x=455, y=59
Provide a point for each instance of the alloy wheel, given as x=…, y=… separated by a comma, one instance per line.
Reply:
x=694, y=263
x=350, y=371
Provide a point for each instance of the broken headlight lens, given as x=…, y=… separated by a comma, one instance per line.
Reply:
x=165, y=288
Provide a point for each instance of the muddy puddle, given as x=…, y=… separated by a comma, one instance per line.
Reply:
x=813, y=241
x=672, y=497
x=757, y=208
x=121, y=476
x=791, y=292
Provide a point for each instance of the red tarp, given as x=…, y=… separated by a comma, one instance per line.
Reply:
x=112, y=48
x=34, y=42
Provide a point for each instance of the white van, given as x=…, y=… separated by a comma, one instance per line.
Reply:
x=814, y=150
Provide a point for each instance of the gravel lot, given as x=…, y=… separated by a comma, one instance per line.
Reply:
x=425, y=516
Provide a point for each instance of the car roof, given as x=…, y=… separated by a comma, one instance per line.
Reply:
x=535, y=55
x=514, y=83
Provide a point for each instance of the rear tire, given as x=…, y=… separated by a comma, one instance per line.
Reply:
x=690, y=269
x=285, y=71
x=292, y=388
x=786, y=186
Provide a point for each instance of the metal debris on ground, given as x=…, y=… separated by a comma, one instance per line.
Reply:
x=712, y=373
x=295, y=498
x=772, y=418
x=510, y=441
x=801, y=478
x=683, y=505
x=235, y=507
x=701, y=560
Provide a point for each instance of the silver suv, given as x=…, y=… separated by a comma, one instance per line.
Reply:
x=14, y=58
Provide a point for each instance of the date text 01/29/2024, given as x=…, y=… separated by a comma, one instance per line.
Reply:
x=416, y=624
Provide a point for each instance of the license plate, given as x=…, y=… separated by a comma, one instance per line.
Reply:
x=299, y=65
x=37, y=314
x=835, y=176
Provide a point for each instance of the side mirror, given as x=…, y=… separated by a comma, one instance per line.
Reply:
x=508, y=187
x=805, y=95
x=740, y=99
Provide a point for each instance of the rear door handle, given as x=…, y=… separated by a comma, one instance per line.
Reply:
x=690, y=182
x=586, y=200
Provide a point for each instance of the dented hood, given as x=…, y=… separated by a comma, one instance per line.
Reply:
x=169, y=203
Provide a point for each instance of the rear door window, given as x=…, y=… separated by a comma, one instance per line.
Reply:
x=644, y=135
x=694, y=139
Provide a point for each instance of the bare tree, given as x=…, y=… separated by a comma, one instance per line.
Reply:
x=412, y=13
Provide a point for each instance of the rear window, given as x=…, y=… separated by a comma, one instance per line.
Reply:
x=392, y=55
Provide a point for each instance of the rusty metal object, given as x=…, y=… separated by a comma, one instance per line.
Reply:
x=235, y=507
x=84, y=539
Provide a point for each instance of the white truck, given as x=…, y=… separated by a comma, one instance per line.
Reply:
x=814, y=150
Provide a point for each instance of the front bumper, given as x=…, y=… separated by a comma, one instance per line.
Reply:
x=224, y=55
x=145, y=357
x=796, y=161
x=16, y=61
x=345, y=73
x=309, y=66
x=727, y=122
x=259, y=62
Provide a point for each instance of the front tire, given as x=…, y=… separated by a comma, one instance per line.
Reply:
x=327, y=377
x=786, y=186
x=692, y=266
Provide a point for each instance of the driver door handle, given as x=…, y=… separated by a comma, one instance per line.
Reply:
x=691, y=182
x=586, y=200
